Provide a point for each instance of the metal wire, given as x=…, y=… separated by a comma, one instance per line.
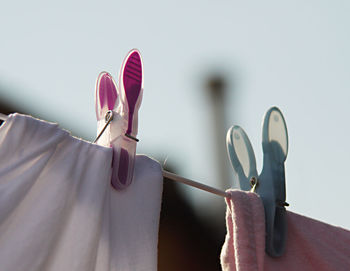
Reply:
x=108, y=119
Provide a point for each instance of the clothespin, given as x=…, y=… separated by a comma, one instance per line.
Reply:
x=270, y=184
x=119, y=107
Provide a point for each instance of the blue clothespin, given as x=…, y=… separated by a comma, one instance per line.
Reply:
x=270, y=184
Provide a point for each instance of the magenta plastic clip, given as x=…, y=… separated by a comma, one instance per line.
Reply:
x=124, y=103
x=131, y=90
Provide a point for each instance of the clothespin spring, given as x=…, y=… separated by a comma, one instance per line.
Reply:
x=253, y=183
x=108, y=119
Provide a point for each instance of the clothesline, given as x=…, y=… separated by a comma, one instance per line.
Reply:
x=195, y=184
x=177, y=178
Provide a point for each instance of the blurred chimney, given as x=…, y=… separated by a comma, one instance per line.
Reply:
x=216, y=87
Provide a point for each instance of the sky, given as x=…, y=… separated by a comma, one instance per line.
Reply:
x=290, y=54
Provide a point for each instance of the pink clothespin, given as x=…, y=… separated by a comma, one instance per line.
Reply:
x=122, y=105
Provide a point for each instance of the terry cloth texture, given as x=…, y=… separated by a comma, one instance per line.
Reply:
x=311, y=245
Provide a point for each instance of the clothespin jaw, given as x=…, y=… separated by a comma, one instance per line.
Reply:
x=270, y=184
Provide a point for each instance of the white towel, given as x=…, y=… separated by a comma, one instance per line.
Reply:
x=58, y=211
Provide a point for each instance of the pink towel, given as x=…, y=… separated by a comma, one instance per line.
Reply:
x=311, y=245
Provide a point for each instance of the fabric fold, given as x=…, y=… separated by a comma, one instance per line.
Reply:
x=58, y=210
x=311, y=244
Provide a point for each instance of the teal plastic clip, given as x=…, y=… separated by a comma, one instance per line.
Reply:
x=270, y=184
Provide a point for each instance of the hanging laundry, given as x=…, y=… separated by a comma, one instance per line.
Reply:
x=58, y=210
x=311, y=245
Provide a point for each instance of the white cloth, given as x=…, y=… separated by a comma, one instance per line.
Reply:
x=58, y=211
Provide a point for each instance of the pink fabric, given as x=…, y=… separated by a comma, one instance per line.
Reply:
x=311, y=245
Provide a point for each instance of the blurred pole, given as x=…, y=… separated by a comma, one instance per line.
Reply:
x=217, y=92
